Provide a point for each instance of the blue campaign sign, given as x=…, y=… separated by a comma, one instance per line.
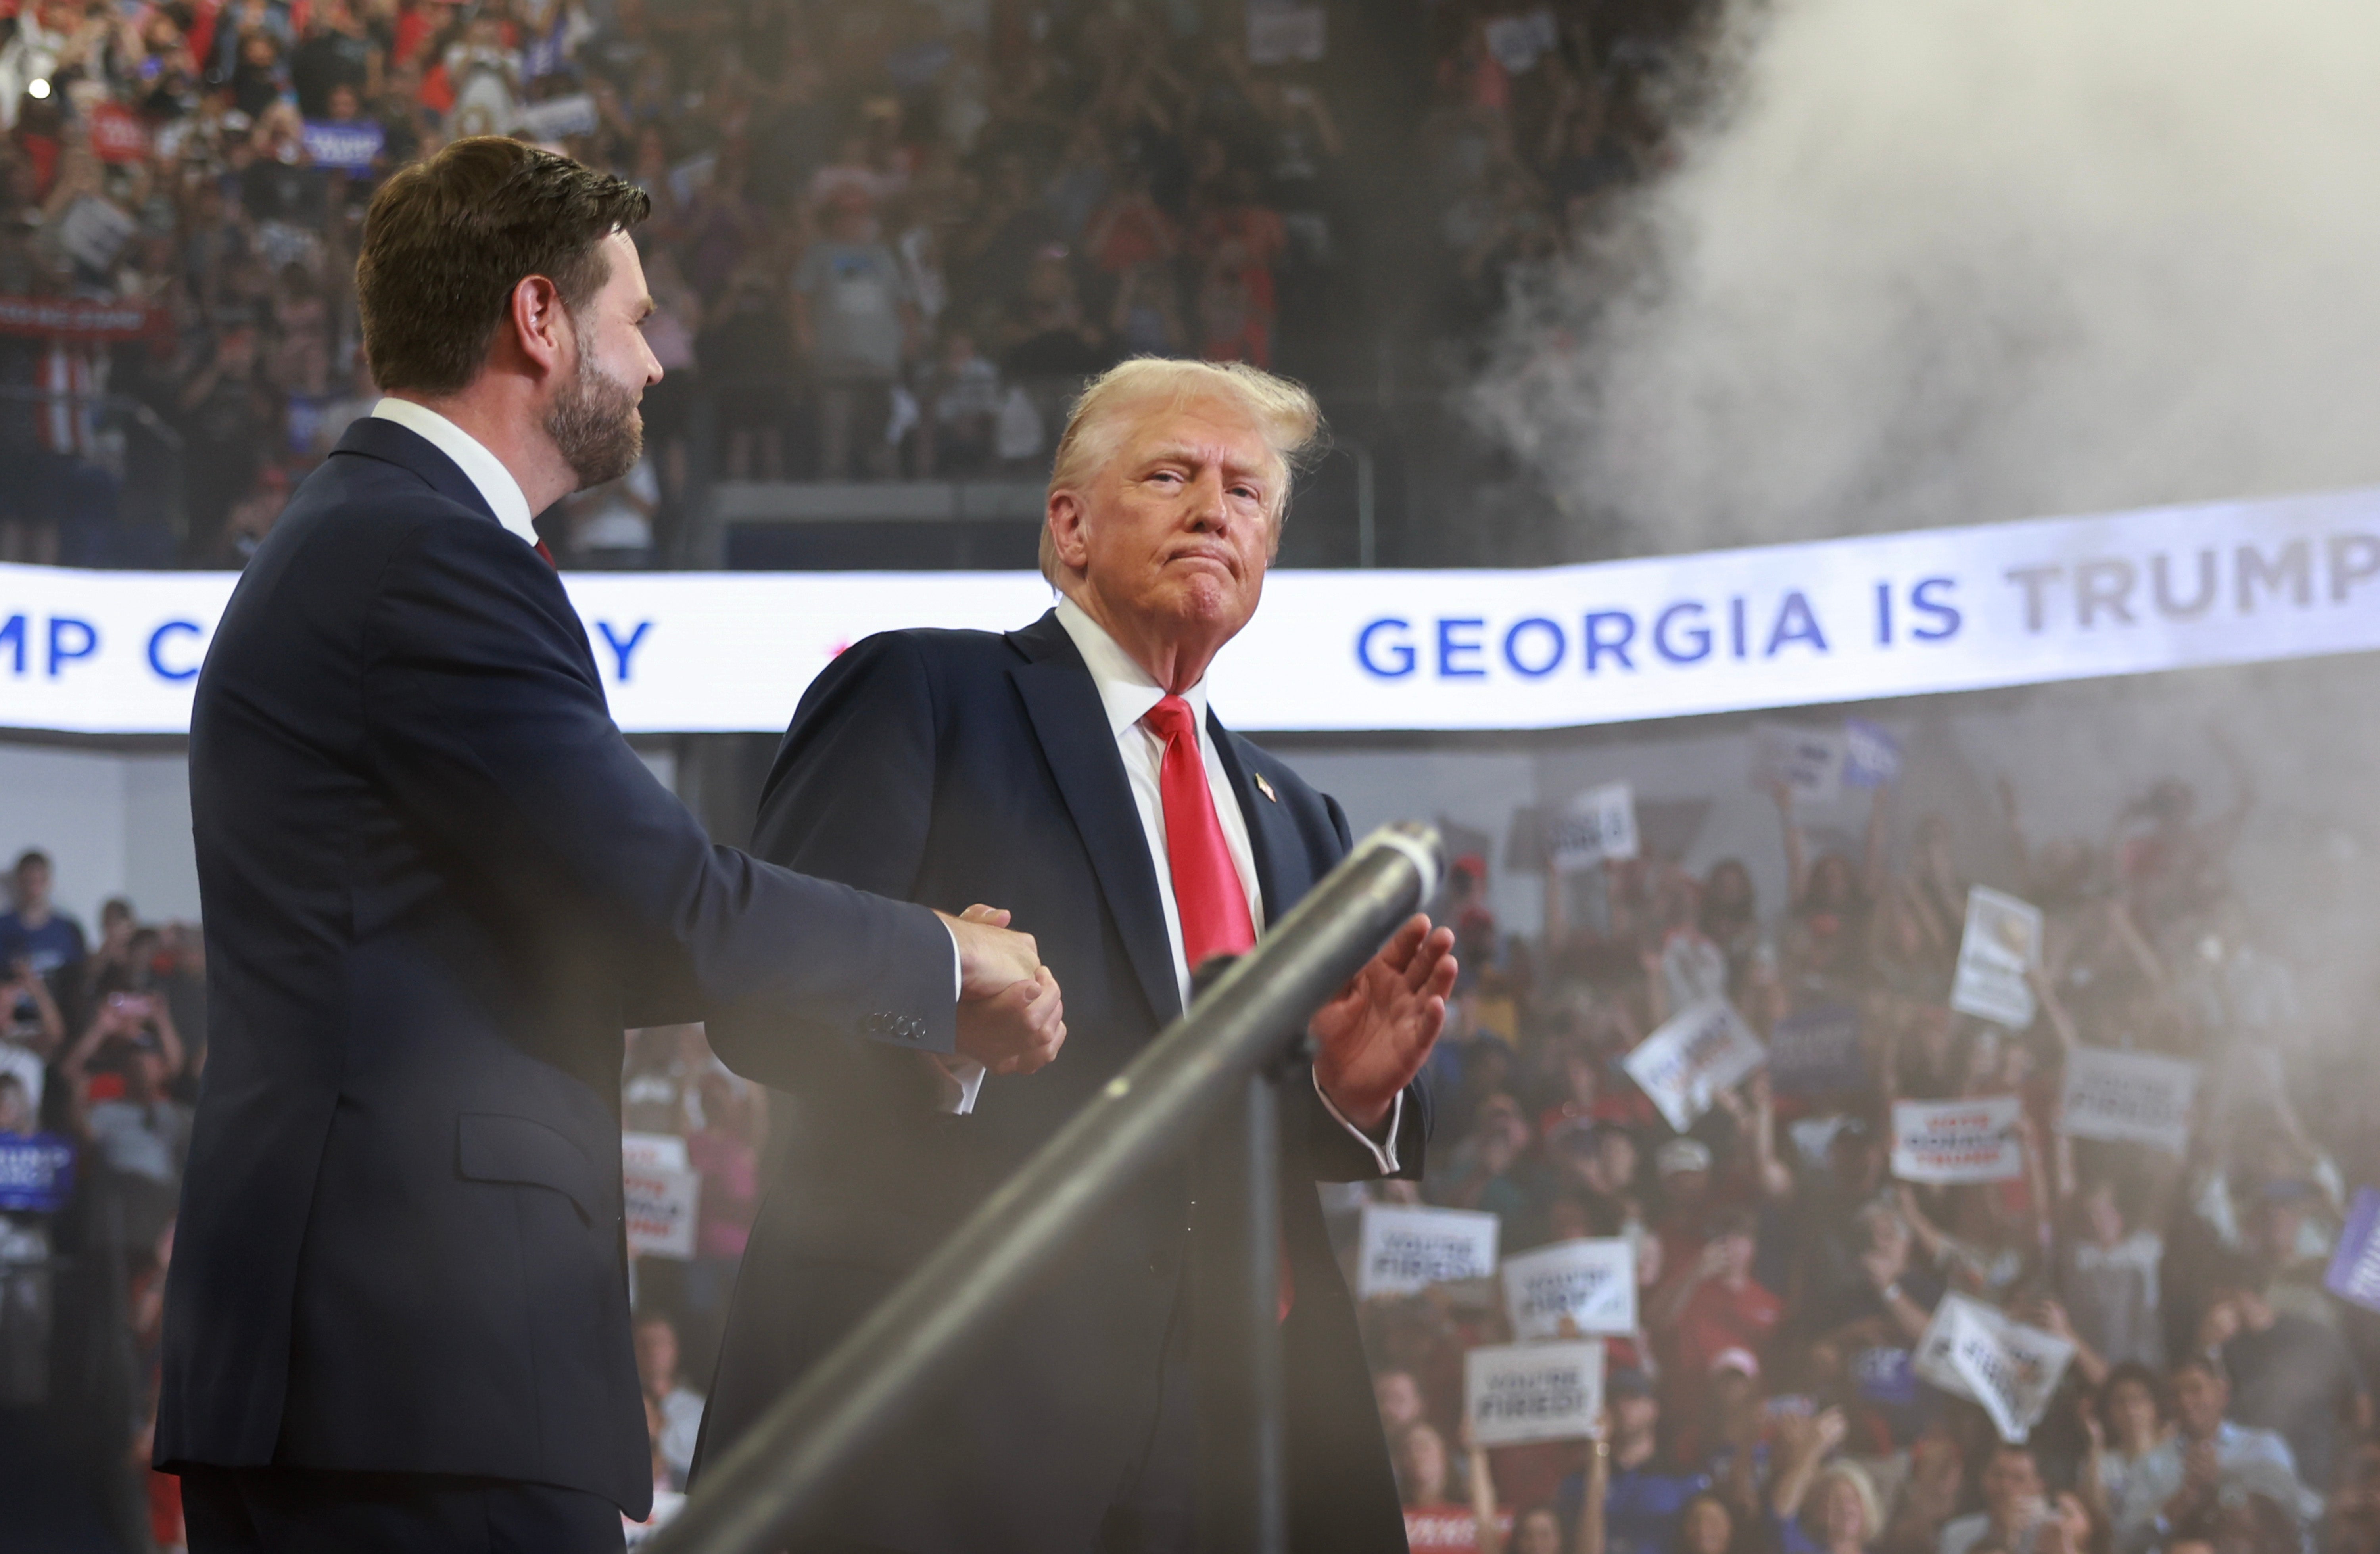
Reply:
x=346, y=147
x=36, y=1172
x=1884, y=1376
x=2355, y=1269
x=1871, y=755
x=1817, y=1052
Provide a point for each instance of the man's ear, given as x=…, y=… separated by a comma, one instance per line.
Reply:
x=1070, y=531
x=538, y=325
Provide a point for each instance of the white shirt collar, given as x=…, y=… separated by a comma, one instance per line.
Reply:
x=1127, y=691
x=485, y=470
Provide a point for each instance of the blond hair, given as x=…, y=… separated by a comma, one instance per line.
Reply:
x=1281, y=409
x=1871, y=1503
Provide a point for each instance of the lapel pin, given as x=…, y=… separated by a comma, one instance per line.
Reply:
x=1265, y=788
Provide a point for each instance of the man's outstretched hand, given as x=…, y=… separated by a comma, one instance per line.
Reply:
x=1375, y=1035
x=1012, y=1018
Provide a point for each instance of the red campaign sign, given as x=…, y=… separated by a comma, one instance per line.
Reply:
x=76, y=319
x=116, y=135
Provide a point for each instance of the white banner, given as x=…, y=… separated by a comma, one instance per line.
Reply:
x=1519, y=1392
x=1698, y=1052
x=2134, y=1098
x=1957, y=1140
x=1404, y=1249
x=1656, y=637
x=1590, y=1285
x=1973, y=1352
x=1598, y=824
x=2001, y=942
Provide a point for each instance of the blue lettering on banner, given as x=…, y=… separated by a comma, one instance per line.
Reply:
x=1598, y=644
x=1449, y=645
x=621, y=649
x=12, y=635
x=1922, y=601
x=1699, y=635
x=1540, y=625
x=61, y=627
x=157, y=641
x=1404, y=652
x=1796, y=622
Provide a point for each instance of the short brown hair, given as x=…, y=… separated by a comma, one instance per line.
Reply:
x=448, y=239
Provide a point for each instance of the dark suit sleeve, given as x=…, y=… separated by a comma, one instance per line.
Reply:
x=850, y=797
x=488, y=730
x=1330, y=1155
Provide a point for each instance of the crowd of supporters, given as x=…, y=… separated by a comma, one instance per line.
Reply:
x=887, y=238
x=1772, y=1400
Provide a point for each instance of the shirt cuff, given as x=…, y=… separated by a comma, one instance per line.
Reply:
x=1383, y=1154
x=962, y=1082
x=958, y=970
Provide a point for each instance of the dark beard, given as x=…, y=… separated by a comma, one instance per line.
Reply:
x=595, y=424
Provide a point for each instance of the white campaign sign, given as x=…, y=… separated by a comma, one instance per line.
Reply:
x=1973, y=1352
x=1698, y=1052
x=1808, y=761
x=1405, y=1249
x=2002, y=944
x=1519, y=1392
x=1957, y=1140
x=1656, y=637
x=2135, y=1097
x=1598, y=824
x=1592, y=1284
x=662, y=1195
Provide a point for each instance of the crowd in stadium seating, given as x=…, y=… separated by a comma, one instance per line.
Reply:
x=887, y=238
x=1768, y=1401
x=883, y=239
x=1771, y=1400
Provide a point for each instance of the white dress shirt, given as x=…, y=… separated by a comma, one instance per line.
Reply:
x=1128, y=692
x=485, y=470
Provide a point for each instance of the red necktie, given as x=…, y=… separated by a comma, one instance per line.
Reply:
x=546, y=555
x=1206, y=888
x=1208, y=895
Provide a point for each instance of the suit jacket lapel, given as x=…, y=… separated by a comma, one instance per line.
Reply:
x=1272, y=839
x=1073, y=728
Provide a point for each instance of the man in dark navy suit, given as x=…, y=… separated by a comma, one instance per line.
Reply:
x=437, y=885
x=1073, y=771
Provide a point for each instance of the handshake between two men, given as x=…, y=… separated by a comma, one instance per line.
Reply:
x=1371, y=1039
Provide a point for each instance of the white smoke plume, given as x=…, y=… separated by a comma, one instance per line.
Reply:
x=1957, y=261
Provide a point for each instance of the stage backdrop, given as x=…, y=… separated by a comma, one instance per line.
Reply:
x=1829, y=621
